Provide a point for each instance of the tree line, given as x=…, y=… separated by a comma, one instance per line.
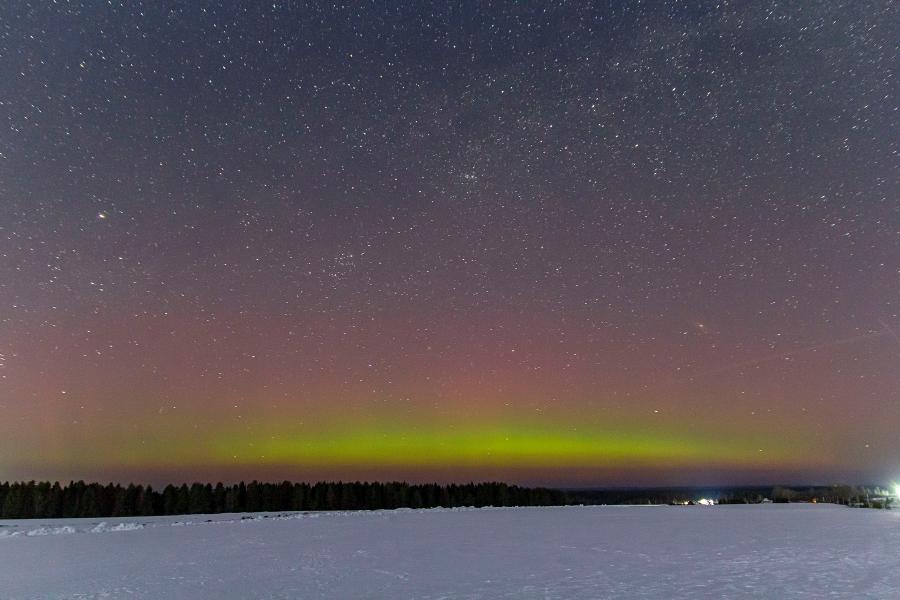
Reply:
x=41, y=500
x=835, y=494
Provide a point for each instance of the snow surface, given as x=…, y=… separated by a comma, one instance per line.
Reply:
x=761, y=551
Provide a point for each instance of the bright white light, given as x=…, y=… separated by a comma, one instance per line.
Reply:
x=706, y=502
x=896, y=490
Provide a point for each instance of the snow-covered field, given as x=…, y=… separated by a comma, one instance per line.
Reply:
x=763, y=551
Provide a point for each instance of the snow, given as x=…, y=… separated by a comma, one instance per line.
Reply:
x=761, y=551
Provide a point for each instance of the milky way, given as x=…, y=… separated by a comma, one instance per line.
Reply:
x=554, y=242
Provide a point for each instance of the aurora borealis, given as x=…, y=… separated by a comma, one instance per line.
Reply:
x=575, y=243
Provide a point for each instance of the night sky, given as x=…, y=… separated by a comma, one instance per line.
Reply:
x=586, y=243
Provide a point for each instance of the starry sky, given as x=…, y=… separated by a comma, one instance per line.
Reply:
x=568, y=243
